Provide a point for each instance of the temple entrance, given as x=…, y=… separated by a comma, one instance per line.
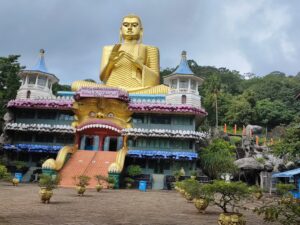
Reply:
x=100, y=142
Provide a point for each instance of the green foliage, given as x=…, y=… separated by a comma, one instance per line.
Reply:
x=272, y=113
x=227, y=194
x=100, y=178
x=49, y=182
x=111, y=180
x=283, y=189
x=194, y=173
x=82, y=180
x=289, y=146
x=19, y=164
x=218, y=158
x=3, y=173
x=60, y=87
x=260, y=160
x=284, y=212
x=134, y=170
x=9, y=82
x=128, y=180
x=177, y=174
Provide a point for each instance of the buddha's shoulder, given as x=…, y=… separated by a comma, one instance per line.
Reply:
x=151, y=49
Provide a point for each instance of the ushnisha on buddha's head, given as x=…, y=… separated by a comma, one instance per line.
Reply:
x=131, y=28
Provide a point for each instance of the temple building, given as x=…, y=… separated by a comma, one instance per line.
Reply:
x=38, y=123
x=129, y=118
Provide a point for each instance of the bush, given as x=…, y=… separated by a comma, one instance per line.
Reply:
x=134, y=170
x=283, y=189
x=111, y=180
x=3, y=173
x=82, y=180
x=100, y=178
x=284, y=212
x=177, y=174
x=227, y=194
x=49, y=182
x=218, y=158
x=128, y=180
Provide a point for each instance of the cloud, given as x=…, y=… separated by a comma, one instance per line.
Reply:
x=250, y=36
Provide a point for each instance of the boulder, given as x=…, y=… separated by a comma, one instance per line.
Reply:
x=248, y=164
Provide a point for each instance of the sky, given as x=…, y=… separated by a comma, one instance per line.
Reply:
x=257, y=36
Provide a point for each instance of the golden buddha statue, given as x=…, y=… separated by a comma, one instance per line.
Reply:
x=129, y=65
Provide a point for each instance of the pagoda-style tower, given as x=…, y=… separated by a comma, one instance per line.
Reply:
x=36, y=82
x=183, y=85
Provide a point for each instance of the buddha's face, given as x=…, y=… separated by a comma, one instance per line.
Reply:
x=131, y=28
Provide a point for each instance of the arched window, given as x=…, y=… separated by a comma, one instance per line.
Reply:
x=183, y=99
x=28, y=94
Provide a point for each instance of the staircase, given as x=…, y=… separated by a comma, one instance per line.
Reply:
x=89, y=163
x=27, y=175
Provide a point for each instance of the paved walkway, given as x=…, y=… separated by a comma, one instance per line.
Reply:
x=21, y=206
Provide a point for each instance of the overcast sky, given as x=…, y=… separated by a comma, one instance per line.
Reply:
x=257, y=36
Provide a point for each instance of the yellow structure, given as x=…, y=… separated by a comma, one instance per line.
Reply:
x=129, y=65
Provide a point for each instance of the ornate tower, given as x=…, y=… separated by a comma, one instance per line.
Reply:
x=183, y=85
x=36, y=82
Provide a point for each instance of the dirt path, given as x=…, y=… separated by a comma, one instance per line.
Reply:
x=21, y=206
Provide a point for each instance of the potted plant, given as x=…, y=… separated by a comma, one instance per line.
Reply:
x=47, y=184
x=128, y=181
x=202, y=198
x=81, y=182
x=194, y=174
x=111, y=182
x=285, y=210
x=100, y=179
x=190, y=187
x=225, y=195
x=177, y=174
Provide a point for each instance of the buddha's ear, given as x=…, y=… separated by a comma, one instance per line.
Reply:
x=120, y=36
x=141, y=35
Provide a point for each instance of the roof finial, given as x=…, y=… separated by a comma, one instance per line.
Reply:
x=183, y=54
x=42, y=52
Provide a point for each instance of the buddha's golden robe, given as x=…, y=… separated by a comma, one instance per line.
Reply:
x=127, y=76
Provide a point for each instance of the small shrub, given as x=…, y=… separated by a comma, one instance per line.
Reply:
x=4, y=175
x=134, y=170
x=194, y=173
x=177, y=174
x=226, y=194
x=284, y=212
x=128, y=180
x=49, y=182
x=82, y=180
x=111, y=180
x=100, y=178
x=283, y=189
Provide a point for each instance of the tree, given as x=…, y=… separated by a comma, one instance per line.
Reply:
x=9, y=82
x=60, y=87
x=218, y=158
x=212, y=91
x=272, y=113
x=240, y=111
x=289, y=146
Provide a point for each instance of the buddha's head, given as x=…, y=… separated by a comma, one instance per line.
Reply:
x=131, y=28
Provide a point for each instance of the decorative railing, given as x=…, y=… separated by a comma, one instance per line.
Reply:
x=55, y=103
x=40, y=128
x=32, y=148
x=165, y=108
x=162, y=154
x=164, y=133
